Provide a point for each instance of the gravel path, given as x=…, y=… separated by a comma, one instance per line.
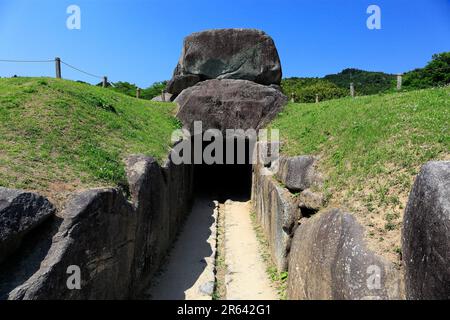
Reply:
x=188, y=273
x=246, y=276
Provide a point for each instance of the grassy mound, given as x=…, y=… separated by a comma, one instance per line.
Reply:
x=370, y=150
x=57, y=136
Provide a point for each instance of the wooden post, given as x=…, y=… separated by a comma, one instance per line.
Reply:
x=317, y=98
x=399, y=82
x=163, y=95
x=105, y=82
x=138, y=93
x=58, y=67
x=352, y=90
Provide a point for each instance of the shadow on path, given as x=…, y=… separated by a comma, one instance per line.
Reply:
x=186, y=263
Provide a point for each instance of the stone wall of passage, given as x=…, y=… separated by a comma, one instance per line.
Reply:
x=115, y=244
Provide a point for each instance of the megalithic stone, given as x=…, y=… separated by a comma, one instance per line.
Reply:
x=246, y=54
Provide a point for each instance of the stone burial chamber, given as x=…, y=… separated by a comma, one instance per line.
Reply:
x=119, y=239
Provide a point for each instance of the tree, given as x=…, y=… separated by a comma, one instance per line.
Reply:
x=130, y=89
x=305, y=89
x=366, y=82
x=154, y=90
x=435, y=73
x=125, y=88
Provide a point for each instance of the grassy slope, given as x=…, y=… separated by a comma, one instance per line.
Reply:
x=57, y=136
x=371, y=148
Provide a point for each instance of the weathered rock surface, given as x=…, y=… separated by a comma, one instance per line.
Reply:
x=310, y=200
x=246, y=54
x=326, y=254
x=97, y=235
x=26, y=260
x=180, y=82
x=329, y=260
x=276, y=212
x=163, y=196
x=118, y=245
x=298, y=173
x=20, y=212
x=144, y=177
x=426, y=234
x=229, y=104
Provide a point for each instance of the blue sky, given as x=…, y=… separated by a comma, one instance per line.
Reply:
x=140, y=41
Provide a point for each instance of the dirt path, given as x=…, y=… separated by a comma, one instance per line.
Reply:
x=246, y=276
x=189, y=271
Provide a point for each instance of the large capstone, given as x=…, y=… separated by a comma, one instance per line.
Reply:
x=246, y=54
x=229, y=104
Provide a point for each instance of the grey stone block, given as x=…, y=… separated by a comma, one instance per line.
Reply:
x=20, y=212
x=246, y=54
x=426, y=234
x=229, y=104
x=298, y=173
x=276, y=212
x=329, y=261
x=97, y=236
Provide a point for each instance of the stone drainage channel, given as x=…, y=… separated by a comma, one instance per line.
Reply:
x=189, y=272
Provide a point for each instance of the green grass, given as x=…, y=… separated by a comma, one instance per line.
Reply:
x=57, y=135
x=279, y=279
x=220, y=268
x=370, y=148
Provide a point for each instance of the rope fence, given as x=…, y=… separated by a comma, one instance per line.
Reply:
x=58, y=63
x=79, y=70
x=27, y=61
x=105, y=82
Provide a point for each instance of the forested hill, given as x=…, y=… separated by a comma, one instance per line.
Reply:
x=367, y=82
x=435, y=74
x=334, y=86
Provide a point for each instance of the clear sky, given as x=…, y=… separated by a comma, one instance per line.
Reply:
x=140, y=41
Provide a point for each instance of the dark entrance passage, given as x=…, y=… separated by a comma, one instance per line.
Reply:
x=229, y=179
x=190, y=268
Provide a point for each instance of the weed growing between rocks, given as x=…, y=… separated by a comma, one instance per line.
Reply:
x=279, y=279
x=221, y=269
